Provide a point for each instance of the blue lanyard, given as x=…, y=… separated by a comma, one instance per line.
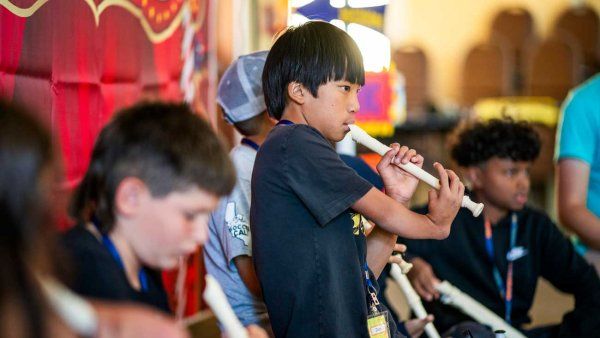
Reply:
x=112, y=249
x=250, y=143
x=371, y=291
x=285, y=122
x=505, y=291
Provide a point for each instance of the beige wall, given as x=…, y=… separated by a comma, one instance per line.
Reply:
x=446, y=29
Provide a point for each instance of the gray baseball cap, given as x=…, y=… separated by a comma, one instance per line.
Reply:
x=240, y=89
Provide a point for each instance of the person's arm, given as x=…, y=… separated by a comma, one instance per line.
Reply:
x=328, y=187
x=423, y=279
x=569, y=272
x=245, y=268
x=236, y=245
x=401, y=186
x=396, y=218
x=572, y=188
x=380, y=245
x=416, y=327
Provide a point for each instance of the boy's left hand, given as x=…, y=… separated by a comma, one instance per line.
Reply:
x=399, y=184
x=416, y=327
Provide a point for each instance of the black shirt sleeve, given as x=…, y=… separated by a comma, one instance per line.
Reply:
x=569, y=272
x=315, y=172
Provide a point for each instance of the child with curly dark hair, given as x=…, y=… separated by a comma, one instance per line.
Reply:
x=498, y=257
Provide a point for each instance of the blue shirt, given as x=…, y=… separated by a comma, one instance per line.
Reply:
x=578, y=135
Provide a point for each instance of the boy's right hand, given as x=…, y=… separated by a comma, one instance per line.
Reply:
x=423, y=279
x=445, y=202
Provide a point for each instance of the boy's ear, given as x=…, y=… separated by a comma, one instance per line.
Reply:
x=296, y=92
x=474, y=176
x=129, y=195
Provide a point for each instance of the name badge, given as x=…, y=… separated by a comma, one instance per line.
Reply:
x=378, y=325
x=516, y=253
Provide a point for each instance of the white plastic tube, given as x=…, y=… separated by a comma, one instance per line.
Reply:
x=414, y=301
x=360, y=136
x=76, y=312
x=215, y=298
x=451, y=295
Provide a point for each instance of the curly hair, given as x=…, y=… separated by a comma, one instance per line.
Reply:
x=476, y=143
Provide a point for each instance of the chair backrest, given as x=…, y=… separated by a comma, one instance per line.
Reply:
x=516, y=25
x=552, y=68
x=583, y=25
x=412, y=63
x=487, y=72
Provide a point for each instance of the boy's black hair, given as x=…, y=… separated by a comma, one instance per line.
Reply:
x=503, y=138
x=165, y=145
x=311, y=54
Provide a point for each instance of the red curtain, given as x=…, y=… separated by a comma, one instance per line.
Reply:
x=74, y=62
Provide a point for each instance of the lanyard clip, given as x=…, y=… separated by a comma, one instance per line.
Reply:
x=374, y=298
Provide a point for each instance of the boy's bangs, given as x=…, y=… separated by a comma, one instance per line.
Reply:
x=348, y=66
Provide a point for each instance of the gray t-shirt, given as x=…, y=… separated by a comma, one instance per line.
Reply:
x=229, y=237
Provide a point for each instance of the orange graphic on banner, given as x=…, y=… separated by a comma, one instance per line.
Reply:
x=159, y=18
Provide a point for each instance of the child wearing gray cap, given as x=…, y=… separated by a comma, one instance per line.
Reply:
x=229, y=250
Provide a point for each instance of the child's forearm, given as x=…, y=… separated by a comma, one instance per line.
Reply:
x=245, y=268
x=380, y=245
x=397, y=219
x=416, y=226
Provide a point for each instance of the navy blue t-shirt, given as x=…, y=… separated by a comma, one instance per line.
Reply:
x=309, y=248
x=364, y=171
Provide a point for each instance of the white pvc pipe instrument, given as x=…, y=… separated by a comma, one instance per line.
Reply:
x=451, y=295
x=360, y=136
x=75, y=311
x=215, y=298
x=413, y=299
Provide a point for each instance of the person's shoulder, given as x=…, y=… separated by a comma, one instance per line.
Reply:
x=78, y=234
x=589, y=87
x=585, y=93
x=242, y=157
x=536, y=217
x=302, y=131
x=80, y=241
x=295, y=138
x=88, y=256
